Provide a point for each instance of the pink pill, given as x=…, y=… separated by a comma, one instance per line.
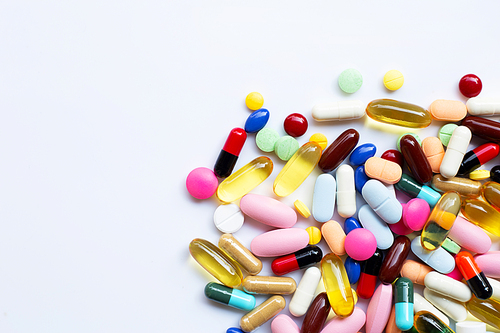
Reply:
x=279, y=242
x=284, y=324
x=360, y=244
x=351, y=324
x=379, y=309
x=455, y=274
x=415, y=213
x=400, y=228
x=488, y=263
x=201, y=183
x=268, y=211
x=470, y=236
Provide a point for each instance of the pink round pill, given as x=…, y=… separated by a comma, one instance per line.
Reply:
x=415, y=213
x=360, y=244
x=202, y=183
x=400, y=228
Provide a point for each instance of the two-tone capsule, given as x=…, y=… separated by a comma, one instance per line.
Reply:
x=368, y=278
x=478, y=156
x=403, y=296
x=230, y=152
x=298, y=260
x=229, y=296
x=473, y=275
x=413, y=189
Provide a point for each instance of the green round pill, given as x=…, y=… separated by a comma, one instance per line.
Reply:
x=445, y=133
x=266, y=139
x=350, y=80
x=285, y=147
x=412, y=134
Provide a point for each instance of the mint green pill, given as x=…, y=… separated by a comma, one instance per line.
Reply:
x=412, y=134
x=266, y=139
x=450, y=246
x=285, y=147
x=445, y=133
x=350, y=80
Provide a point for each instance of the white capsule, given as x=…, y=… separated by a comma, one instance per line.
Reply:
x=447, y=286
x=381, y=201
x=304, y=294
x=421, y=304
x=457, y=147
x=495, y=284
x=483, y=106
x=324, y=197
x=470, y=327
x=342, y=110
x=346, y=191
x=453, y=309
x=371, y=221
x=439, y=259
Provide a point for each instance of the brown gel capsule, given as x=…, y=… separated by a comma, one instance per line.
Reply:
x=241, y=254
x=484, y=128
x=262, y=313
x=269, y=285
x=416, y=159
x=394, y=259
x=338, y=150
x=464, y=186
x=316, y=314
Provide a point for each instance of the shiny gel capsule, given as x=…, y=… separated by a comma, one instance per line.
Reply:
x=256, y=120
x=229, y=296
x=360, y=178
x=426, y=322
x=403, y=296
x=398, y=113
x=338, y=150
x=362, y=153
x=353, y=269
x=337, y=285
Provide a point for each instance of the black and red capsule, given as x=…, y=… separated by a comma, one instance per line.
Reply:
x=369, y=273
x=300, y=259
x=473, y=275
x=230, y=152
x=473, y=159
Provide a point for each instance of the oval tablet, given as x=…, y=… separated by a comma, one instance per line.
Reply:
x=470, y=236
x=379, y=309
x=351, y=324
x=447, y=286
x=279, y=242
x=360, y=178
x=324, y=197
x=304, y=294
x=434, y=151
x=370, y=220
x=334, y=236
x=341, y=110
x=346, y=191
x=439, y=259
x=483, y=106
x=228, y=218
x=284, y=324
x=382, y=202
x=256, y=120
x=362, y=153
x=384, y=170
x=447, y=110
x=488, y=263
x=268, y=211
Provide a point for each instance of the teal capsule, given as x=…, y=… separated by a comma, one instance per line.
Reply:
x=413, y=189
x=403, y=293
x=229, y=296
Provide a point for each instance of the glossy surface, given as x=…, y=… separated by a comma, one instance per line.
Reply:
x=473, y=275
x=262, y=313
x=484, y=106
x=229, y=296
x=230, y=152
x=338, y=150
x=394, y=156
x=201, y=183
x=413, y=189
x=368, y=278
x=350, y=224
x=470, y=85
x=394, y=260
x=398, y=113
x=473, y=159
x=426, y=322
x=415, y=213
x=256, y=120
x=337, y=285
x=254, y=100
x=484, y=128
x=495, y=173
x=362, y=153
x=482, y=214
x=464, y=186
x=360, y=178
x=295, y=125
x=403, y=298
x=447, y=286
x=304, y=294
x=298, y=260
x=240, y=253
x=320, y=139
x=491, y=193
x=415, y=159
x=316, y=314
x=353, y=269
x=340, y=110
x=269, y=285
x=457, y=147
x=360, y=244
x=487, y=311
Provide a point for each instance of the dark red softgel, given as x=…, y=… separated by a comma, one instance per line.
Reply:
x=470, y=85
x=295, y=125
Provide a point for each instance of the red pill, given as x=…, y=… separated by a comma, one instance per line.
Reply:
x=470, y=85
x=230, y=152
x=484, y=128
x=416, y=159
x=295, y=125
x=394, y=156
x=473, y=159
x=394, y=259
x=316, y=314
x=473, y=275
x=300, y=259
x=338, y=150
x=368, y=278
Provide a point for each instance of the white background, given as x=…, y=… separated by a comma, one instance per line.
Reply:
x=106, y=106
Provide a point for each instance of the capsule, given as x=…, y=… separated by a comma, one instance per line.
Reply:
x=297, y=169
x=394, y=260
x=346, y=192
x=245, y=179
x=229, y=296
x=230, y=152
x=482, y=214
x=216, y=262
x=398, y=113
x=416, y=159
x=341, y=110
x=491, y=193
x=484, y=128
x=368, y=278
x=476, y=157
x=495, y=173
x=409, y=186
x=421, y=304
x=455, y=151
x=316, y=314
x=241, y=254
x=473, y=275
x=483, y=106
x=403, y=292
x=304, y=294
x=439, y=223
x=464, y=186
x=487, y=310
x=338, y=150
x=262, y=313
x=350, y=224
x=337, y=285
x=453, y=309
x=300, y=259
x=426, y=322
x=269, y=285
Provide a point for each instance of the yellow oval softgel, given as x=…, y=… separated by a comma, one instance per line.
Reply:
x=491, y=193
x=398, y=113
x=216, y=262
x=486, y=310
x=482, y=214
x=479, y=174
x=245, y=179
x=297, y=169
x=337, y=285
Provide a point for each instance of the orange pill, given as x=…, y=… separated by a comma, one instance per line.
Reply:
x=391, y=323
x=415, y=271
x=447, y=110
x=334, y=236
x=434, y=151
x=386, y=171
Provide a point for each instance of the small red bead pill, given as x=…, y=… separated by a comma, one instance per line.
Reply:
x=470, y=85
x=295, y=125
x=394, y=156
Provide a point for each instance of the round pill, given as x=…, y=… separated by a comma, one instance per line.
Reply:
x=201, y=183
x=470, y=85
x=350, y=80
x=285, y=147
x=393, y=79
x=412, y=134
x=254, y=101
x=295, y=125
x=445, y=133
x=360, y=244
x=302, y=209
x=320, y=139
x=314, y=235
x=228, y=218
x=479, y=174
x=266, y=139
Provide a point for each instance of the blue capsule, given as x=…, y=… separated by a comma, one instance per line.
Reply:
x=362, y=153
x=257, y=120
x=360, y=178
x=353, y=269
x=350, y=224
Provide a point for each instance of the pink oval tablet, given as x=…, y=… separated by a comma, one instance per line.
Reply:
x=284, y=324
x=379, y=309
x=360, y=244
x=400, y=228
x=279, y=242
x=334, y=236
x=415, y=213
x=351, y=324
x=470, y=236
x=202, y=183
x=488, y=263
x=268, y=211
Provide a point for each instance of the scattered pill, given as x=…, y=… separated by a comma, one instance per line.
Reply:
x=228, y=218
x=341, y=110
x=360, y=244
x=470, y=85
x=398, y=113
x=201, y=183
x=445, y=133
x=262, y=313
x=304, y=294
x=338, y=150
x=256, y=120
x=446, y=110
x=286, y=147
x=298, y=260
x=254, y=101
x=266, y=139
x=230, y=152
x=384, y=170
x=479, y=174
x=393, y=79
x=434, y=152
x=394, y=260
x=362, y=153
x=278, y=285
x=320, y=139
x=295, y=125
x=350, y=80
x=302, y=209
x=268, y=211
x=314, y=235
x=398, y=141
x=240, y=253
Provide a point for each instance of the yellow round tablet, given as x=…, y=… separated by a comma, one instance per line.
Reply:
x=320, y=139
x=314, y=235
x=393, y=79
x=479, y=174
x=302, y=208
x=254, y=101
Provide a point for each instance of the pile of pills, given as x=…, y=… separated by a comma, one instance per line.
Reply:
x=454, y=263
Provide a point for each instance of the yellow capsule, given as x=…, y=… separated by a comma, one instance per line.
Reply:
x=398, y=113
x=464, y=186
x=440, y=221
x=216, y=262
x=302, y=208
x=319, y=139
x=314, y=235
x=479, y=174
x=426, y=322
x=482, y=214
x=491, y=193
x=337, y=285
x=297, y=169
x=486, y=310
x=245, y=179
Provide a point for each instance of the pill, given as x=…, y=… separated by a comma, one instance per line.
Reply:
x=350, y=224
x=495, y=284
x=240, y=253
x=316, y=314
x=229, y=296
x=230, y=152
x=368, y=277
x=391, y=323
x=450, y=246
x=314, y=235
x=393, y=155
x=304, y=294
x=276, y=243
x=470, y=85
x=337, y=285
x=447, y=110
x=320, y=139
x=383, y=204
x=297, y=169
x=286, y=147
x=268, y=211
x=334, y=236
x=415, y=271
x=426, y=322
x=482, y=214
x=398, y=141
x=421, y=304
x=453, y=309
x=362, y=153
x=360, y=178
x=447, y=286
x=338, y=150
x=341, y=110
x=473, y=275
x=353, y=269
x=415, y=159
x=383, y=170
x=487, y=311
x=298, y=260
x=346, y=191
x=393, y=79
x=216, y=262
x=483, y=106
x=415, y=214
x=360, y=244
x=445, y=133
x=438, y=259
x=256, y=120
x=400, y=228
x=228, y=218
x=351, y=324
x=324, y=197
x=488, y=263
x=398, y=113
x=394, y=260
x=254, y=100
x=201, y=183
x=479, y=174
x=350, y=80
x=434, y=152
x=403, y=297
x=470, y=236
x=234, y=330
x=262, y=313
x=278, y=285
x=455, y=151
x=470, y=327
x=495, y=173
x=266, y=139
x=482, y=127
x=464, y=186
x=302, y=209
x=379, y=309
x=295, y=125
x=455, y=274
x=413, y=189
x=245, y=179
x=478, y=156
x=370, y=220
x=284, y=324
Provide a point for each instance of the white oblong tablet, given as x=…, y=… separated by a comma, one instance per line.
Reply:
x=342, y=110
x=304, y=293
x=447, y=286
x=453, y=309
x=377, y=195
x=439, y=259
x=324, y=198
x=228, y=218
x=483, y=106
x=457, y=147
x=369, y=220
x=421, y=304
x=470, y=327
x=346, y=191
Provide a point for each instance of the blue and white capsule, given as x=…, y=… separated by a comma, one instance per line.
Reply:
x=229, y=296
